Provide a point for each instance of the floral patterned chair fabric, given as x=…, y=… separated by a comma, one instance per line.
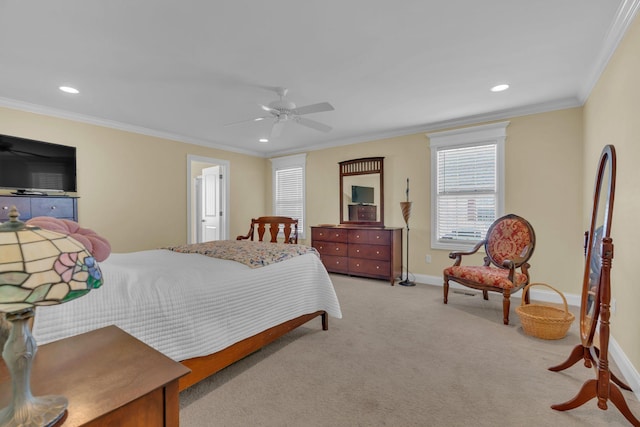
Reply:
x=509, y=244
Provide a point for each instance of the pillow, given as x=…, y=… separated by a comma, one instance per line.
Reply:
x=97, y=245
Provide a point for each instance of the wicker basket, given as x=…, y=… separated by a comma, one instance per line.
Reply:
x=543, y=321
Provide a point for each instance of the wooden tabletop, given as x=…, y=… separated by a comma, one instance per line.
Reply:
x=98, y=372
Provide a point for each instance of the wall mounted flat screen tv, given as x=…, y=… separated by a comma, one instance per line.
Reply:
x=31, y=166
x=361, y=195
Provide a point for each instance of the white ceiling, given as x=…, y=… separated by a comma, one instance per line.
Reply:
x=184, y=69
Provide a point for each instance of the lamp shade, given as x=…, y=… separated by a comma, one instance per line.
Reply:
x=42, y=267
x=37, y=267
x=406, y=210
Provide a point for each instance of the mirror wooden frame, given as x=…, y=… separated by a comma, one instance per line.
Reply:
x=596, y=299
x=360, y=168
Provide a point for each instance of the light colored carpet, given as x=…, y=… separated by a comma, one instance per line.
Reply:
x=400, y=357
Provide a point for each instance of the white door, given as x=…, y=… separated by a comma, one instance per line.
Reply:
x=210, y=205
x=200, y=215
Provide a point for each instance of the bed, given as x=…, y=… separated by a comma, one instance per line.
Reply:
x=197, y=308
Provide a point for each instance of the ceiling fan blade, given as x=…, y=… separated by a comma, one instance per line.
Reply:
x=270, y=110
x=276, y=129
x=256, y=119
x=314, y=108
x=313, y=124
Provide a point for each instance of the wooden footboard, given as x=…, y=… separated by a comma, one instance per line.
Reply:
x=202, y=367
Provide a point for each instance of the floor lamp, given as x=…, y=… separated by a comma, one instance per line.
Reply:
x=406, y=213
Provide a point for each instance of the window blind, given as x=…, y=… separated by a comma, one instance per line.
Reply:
x=289, y=192
x=467, y=192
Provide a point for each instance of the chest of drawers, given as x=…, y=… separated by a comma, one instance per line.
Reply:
x=62, y=207
x=374, y=252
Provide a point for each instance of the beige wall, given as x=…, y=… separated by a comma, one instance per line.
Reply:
x=133, y=188
x=612, y=116
x=543, y=184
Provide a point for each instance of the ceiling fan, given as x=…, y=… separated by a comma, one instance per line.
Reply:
x=282, y=111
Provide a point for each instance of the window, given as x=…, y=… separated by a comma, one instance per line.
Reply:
x=467, y=184
x=289, y=188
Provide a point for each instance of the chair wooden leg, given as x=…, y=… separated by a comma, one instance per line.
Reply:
x=445, y=288
x=506, y=305
x=485, y=295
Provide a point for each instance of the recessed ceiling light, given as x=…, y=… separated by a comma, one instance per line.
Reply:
x=69, y=89
x=500, y=88
x=263, y=140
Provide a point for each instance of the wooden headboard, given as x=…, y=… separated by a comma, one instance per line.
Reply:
x=277, y=224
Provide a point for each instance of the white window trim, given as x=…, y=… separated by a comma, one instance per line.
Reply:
x=494, y=133
x=296, y=160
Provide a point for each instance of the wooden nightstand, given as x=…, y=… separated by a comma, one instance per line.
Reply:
x=109, y=377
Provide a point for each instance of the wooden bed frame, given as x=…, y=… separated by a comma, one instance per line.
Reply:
x=205, y=366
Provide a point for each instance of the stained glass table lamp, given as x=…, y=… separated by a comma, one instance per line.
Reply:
x=37, y=267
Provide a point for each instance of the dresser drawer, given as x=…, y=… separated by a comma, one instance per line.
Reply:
x=370, y=237
x=52, y=206
x=335, y=264
x=329, y=234
x=369, y=267
x=331, y=248
x=22, y=204
x=369, y=252
x=373, y=252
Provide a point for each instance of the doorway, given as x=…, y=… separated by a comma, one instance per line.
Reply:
x=207, y=199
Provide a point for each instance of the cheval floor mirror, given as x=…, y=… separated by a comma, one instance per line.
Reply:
x=596, y=297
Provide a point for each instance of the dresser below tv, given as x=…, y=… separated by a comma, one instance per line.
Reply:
x=63, y=207
x=374, y=252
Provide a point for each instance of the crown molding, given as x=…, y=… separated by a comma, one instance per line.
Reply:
x=624, y=17
x=559, y=104
x=67, y=115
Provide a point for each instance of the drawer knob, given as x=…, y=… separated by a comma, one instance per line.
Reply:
x=337, y=249
x=357, y=265
x=4, y=208
x=358, y=250
x=337, y=234
x=377, y=237
x=377, y=252
x=377, y=267
x=53, y=208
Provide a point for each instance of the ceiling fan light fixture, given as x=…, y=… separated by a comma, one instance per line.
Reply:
x=282, y=111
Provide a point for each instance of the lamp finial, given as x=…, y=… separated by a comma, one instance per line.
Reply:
x=14, y=224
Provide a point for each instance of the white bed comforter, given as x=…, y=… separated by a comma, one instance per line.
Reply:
x=189, y=305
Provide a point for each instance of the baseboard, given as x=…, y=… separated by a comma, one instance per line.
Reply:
x=628, y=371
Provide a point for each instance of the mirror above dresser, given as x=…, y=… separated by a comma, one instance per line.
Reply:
x=361, y=191
x=361, y=245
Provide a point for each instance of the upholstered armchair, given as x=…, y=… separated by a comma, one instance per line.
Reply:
x=277, y=224
x=508, y=245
